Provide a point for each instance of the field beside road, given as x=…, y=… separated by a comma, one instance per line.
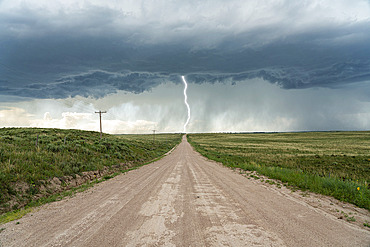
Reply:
x=35, y=163
x=330, y=163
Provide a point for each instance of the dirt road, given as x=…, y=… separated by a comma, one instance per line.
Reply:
x=181, y=200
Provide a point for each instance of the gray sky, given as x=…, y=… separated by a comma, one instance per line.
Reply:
x=251, y=65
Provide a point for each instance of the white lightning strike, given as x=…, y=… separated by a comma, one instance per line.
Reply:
x=186, y=102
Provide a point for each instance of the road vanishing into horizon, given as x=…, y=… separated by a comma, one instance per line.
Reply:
x=181, y=200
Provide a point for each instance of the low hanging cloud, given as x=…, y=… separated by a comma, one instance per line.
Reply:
x=65, y=49
x=94, y=84
x=98, y=84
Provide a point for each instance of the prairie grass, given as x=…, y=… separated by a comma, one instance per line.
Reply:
x=329, y=163
x=31, y=155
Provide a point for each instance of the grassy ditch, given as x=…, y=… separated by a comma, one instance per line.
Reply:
x=29, y=157
x=330, y=163
x=19, y=213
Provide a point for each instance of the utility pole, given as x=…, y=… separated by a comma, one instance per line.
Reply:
x=100, y=112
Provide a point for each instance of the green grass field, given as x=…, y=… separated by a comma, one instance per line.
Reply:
x=330, y=163
x=30, y=155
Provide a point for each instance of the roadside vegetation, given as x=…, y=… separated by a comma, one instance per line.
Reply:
x=30, y=158
x=330, y=163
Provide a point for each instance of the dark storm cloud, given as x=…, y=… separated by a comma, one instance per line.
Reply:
x=57, y=49
x=94, y=84
x=332, y=76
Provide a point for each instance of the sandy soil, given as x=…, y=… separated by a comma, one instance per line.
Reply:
x=186, y=200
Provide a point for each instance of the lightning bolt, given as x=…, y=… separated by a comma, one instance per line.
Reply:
x=186, y=102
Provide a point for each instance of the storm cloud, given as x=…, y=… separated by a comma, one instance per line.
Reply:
x=251, y=65
x=95, y=84
x=250, y=106
x=66, y=48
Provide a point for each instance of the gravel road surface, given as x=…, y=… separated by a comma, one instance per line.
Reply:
x=181, y=200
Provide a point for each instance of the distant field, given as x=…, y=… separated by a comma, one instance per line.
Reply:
x=332, y=163
x=29, y=156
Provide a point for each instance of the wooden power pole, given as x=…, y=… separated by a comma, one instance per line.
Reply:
x=100, y=112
